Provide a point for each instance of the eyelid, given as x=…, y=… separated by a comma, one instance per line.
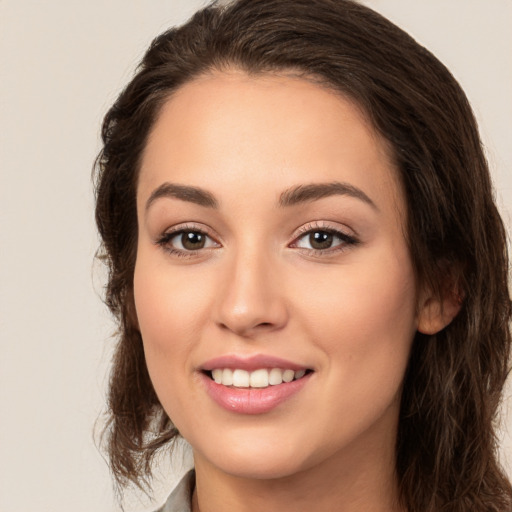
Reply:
x=189, y=226
x=322, y=225
x=345, y=234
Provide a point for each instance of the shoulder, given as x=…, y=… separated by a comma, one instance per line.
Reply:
x=181, y=497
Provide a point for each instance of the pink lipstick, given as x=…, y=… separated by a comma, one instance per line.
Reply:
x=252, y=385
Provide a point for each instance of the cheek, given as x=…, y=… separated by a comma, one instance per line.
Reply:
x=169, y=311
x=383, y=302
x=375, y=293
x=365, y=325
x=365, y=316
x=166, y=302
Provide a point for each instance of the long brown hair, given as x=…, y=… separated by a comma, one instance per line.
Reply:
x=446, y=453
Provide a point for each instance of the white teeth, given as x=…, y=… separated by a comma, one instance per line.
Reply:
x=299, y=374
x=275, y=376
x=227, y=376
x=240, y=379
x=288, y=375
x=217, y=375
x=261, y=378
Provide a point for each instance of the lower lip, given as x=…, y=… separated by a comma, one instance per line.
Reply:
x=252, y=400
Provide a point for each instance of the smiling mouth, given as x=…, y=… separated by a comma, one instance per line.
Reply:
x=261, y=378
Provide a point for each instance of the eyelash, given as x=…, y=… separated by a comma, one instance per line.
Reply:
x=346, y=240
x=164, y=241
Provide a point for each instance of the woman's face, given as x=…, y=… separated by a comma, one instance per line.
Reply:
x=271, y=238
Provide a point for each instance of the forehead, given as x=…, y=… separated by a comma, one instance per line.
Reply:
x=270, y=130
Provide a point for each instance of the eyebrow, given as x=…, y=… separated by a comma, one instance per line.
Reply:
x=312, y=192
x=185, y=193
x=290, y=197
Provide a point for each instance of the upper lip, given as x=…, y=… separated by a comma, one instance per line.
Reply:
x=251, y=363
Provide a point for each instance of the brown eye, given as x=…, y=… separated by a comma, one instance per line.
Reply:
x=326, y=240
x=187, y=241
x=321, y=239
x=193, y=240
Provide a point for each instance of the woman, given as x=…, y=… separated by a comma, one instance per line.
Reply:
x=307, y=266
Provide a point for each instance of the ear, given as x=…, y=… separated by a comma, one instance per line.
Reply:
x=435, y=313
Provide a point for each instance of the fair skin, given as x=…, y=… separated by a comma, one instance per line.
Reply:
x=323, y=281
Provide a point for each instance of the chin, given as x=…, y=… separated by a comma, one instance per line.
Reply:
x=260, y=467
x=255, y=457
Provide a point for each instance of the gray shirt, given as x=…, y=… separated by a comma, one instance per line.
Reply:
x=180, y=499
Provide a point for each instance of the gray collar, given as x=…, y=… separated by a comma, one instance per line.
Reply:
x=180, y=499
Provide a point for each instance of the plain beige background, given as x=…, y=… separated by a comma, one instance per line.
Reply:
x=62, y=62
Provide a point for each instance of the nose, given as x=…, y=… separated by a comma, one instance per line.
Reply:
x=252, y=299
